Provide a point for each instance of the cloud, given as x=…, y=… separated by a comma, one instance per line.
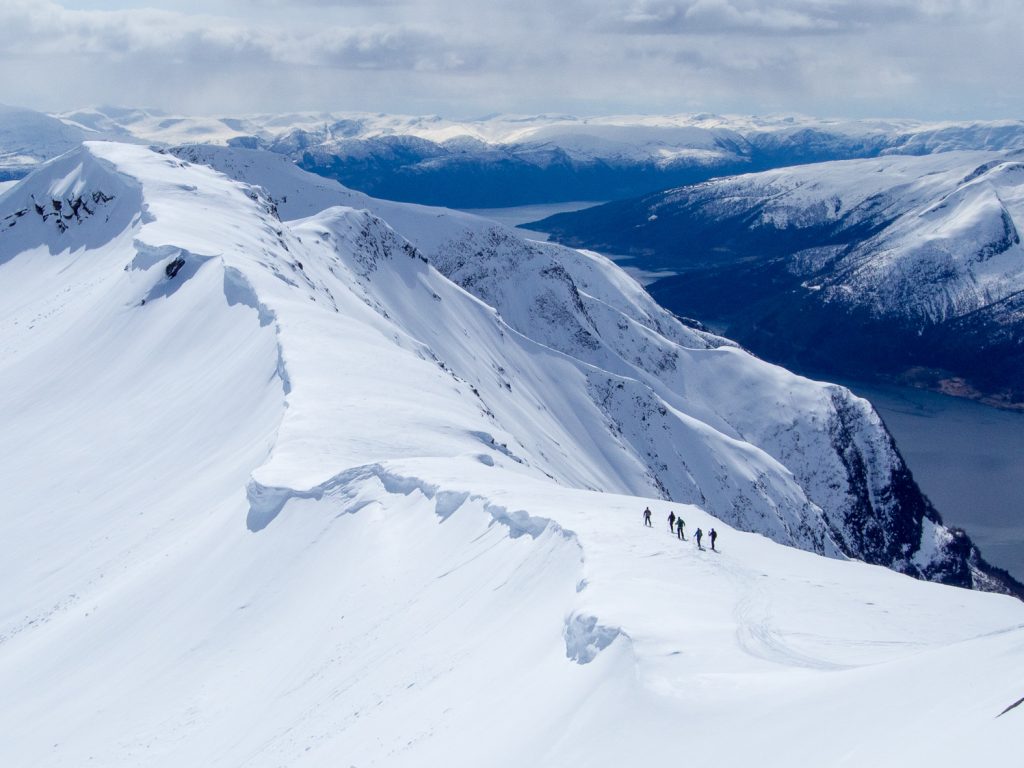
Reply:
x=378, y=48
x=783, y=17
x=47, y=30
x=722, y=16
x=840, y=57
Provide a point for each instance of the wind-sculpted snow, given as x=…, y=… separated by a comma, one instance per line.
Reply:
x=313, y=502
x=266, y=503
x=585, y=638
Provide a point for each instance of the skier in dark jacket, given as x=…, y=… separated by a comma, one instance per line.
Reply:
x=714, y=535
x=647, y=518
x=698, y=536
x=680, y=525
x=671, y=521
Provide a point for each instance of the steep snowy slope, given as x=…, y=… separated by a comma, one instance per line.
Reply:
x=917, y=260
x=282, y=493
x=670, y=388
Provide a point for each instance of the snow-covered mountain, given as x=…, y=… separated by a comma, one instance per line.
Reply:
x=503, y=160
x=366, y=485
x=573, y=302
x=903, y=265
x=28, y=138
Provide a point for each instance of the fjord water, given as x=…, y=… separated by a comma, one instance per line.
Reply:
x=513, y=216
x=968, y=459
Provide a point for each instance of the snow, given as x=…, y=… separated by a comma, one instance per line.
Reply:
x=660, y=139
x=947, y=239
x=577, y=303
x=27, y=138
x=317, y=502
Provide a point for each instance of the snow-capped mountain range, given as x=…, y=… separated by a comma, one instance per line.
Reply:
x=293, y=475
x=503, y=160
x=910, y=266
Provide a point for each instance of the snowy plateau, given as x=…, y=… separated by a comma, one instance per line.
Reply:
x=294, y=476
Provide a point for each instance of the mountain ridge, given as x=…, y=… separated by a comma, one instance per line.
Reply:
x=574, y=307
x=280, y=491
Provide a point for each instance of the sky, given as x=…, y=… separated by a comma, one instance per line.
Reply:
x=926, y=59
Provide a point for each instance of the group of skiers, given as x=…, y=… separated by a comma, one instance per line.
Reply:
x=677, y=525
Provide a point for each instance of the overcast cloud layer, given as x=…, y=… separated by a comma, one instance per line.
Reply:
x=915, y=58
